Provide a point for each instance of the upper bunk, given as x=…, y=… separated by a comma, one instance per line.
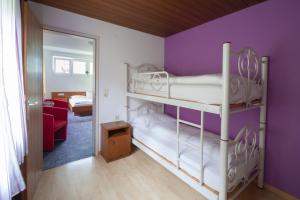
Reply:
x=240, y=91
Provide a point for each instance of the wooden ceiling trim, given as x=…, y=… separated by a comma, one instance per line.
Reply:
x=158, y=17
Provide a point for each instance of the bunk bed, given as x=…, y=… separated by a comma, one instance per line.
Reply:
x=215, y=165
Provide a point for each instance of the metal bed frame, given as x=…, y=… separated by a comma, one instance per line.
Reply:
x=248, y=65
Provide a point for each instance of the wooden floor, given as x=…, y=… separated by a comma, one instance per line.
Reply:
x=134, y=177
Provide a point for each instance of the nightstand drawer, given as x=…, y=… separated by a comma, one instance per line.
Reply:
x=118, y=146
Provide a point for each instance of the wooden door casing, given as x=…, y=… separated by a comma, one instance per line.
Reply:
x=33, y=60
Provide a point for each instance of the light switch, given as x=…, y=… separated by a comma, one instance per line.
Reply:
x=106, y=92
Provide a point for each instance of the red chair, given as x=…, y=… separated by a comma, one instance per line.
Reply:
x=58, y=103
x=55, y=121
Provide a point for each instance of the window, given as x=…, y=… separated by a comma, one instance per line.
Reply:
x=72, y=66
x=62, y=66
x=79, y=67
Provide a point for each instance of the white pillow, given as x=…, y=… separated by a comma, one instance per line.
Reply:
x=149, y=120
x=161, y=117
x=77, y=96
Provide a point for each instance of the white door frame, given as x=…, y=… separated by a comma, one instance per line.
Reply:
x=95, y=128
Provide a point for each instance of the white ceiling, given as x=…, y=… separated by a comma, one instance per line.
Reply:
x=67, y=43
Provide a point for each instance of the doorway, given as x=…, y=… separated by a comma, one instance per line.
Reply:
x=69, y=100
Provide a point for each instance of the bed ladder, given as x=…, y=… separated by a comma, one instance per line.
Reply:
x=201, y=127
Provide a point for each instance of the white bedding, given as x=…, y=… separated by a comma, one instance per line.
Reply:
x=204, y=88
x=158, y=132
x=78, y=100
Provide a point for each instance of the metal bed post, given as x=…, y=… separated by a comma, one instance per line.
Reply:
x=201, y=147
x=177, y=130
x=224, y=122
x=262, y=121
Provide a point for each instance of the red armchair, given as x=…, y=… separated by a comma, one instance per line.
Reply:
x=55, y=121
x=58, y=103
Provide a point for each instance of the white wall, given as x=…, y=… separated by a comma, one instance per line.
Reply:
x=117, y=45
x=58, y=83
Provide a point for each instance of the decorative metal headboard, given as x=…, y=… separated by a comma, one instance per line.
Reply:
x=146, y=108
x=146, y=67
x=245, y=145
x=248, y=63
x=147, y=73
x=248, y=68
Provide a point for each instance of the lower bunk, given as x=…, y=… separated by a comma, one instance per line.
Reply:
x=155, y=134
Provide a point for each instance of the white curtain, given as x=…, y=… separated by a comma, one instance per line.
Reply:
x=13, y=136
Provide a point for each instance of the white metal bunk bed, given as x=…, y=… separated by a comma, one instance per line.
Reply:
x=244, y=143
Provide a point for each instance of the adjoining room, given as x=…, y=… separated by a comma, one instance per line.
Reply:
x=68, y=98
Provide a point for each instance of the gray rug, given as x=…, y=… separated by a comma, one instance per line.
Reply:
x=78, y=144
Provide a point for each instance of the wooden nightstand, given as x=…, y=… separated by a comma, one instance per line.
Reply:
x=115, y=140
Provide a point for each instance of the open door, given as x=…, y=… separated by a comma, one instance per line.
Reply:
x=33, y=61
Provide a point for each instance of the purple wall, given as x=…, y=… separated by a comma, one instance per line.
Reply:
x=273, y=29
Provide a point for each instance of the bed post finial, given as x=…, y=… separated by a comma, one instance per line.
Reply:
x=262, y=120
x=224, y=121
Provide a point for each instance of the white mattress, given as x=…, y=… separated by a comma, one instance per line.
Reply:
x=204, y=88
x=80, y=100
x=160, y=136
